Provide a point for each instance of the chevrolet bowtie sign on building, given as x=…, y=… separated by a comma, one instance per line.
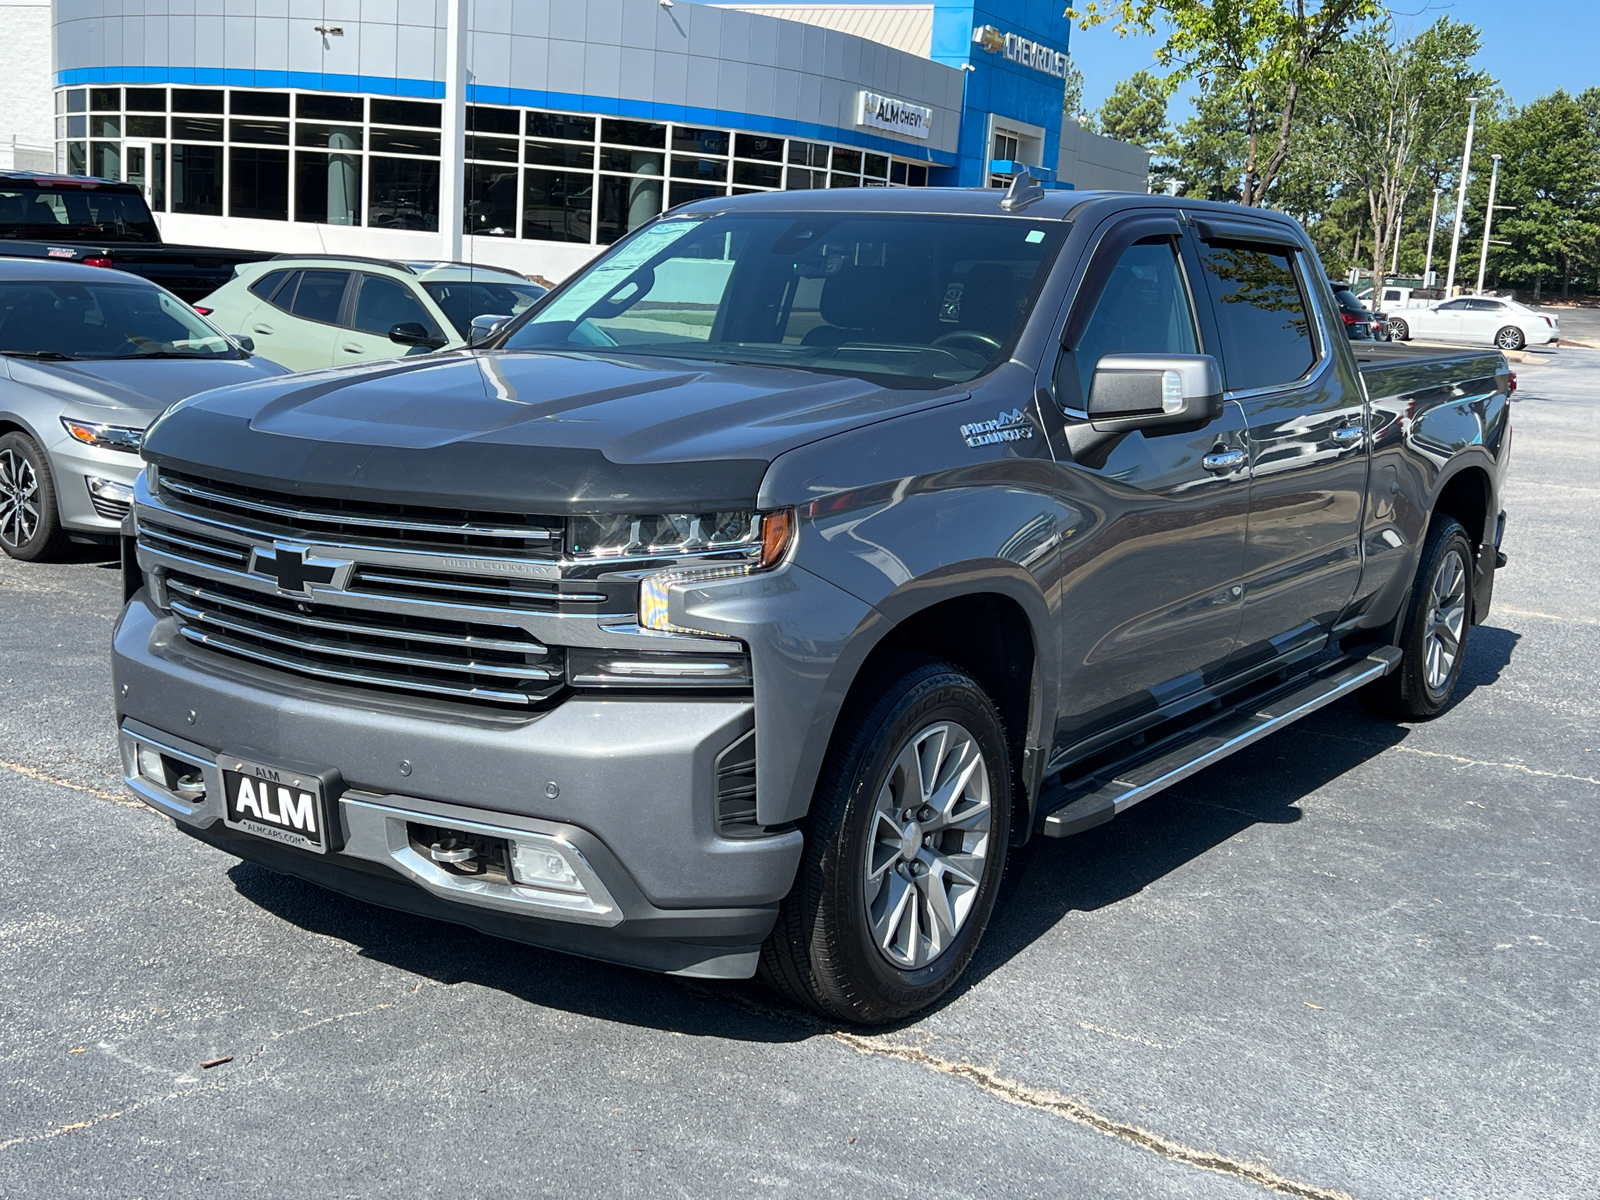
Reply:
x=1021, y=50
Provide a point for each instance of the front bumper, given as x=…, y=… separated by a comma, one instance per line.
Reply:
x=623, y=787
x=74, y=466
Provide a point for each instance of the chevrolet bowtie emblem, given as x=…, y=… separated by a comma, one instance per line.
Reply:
x=987, y=37
x=294, y=567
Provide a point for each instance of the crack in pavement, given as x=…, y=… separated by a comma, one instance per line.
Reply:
x=1528, y=612
x=46, y=777
x=1466, y=762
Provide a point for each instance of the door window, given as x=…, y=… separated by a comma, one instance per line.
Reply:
x=320, y=295
x=1485, y=306
x=1144, y=309
x=384, y=303
x=1262, y=315
x=1453, y=306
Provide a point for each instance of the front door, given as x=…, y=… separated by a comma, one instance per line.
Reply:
x=381, y=303
x=144, y=164
x=1306, y=414
x=1150, y=575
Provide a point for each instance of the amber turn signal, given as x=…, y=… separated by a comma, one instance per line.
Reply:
x=777, y=530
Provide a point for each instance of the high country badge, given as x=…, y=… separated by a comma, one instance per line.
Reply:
x=1007, y=427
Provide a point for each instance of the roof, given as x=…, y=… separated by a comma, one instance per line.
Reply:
x=410, y=267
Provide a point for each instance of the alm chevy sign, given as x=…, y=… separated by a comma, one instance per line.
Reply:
x=1020, y=50
x=896, y=116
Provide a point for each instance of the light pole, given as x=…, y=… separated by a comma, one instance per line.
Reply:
x=1488, y=221
x=1461, y=196
x=1433, y=228
x=452, y=173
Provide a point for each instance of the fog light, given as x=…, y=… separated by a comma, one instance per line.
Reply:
x=539, y=866
x=151, y=766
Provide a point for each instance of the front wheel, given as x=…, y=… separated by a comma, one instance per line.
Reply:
x=1434, y=637
x=1510, y=338
x=30, y=525
x=905, y=847
x=1399, y=331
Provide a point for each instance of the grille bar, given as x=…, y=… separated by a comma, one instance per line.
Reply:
x=450, y=583
x=234, y=555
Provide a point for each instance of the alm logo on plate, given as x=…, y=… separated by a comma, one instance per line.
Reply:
x=1007, y=427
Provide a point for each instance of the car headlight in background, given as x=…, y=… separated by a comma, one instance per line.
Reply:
x=106, y=437
x=771, y=535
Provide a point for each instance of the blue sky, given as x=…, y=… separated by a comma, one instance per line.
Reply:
x=1531, y=46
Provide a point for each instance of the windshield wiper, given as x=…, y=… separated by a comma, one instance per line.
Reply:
x=165, y=354
x=41, y=355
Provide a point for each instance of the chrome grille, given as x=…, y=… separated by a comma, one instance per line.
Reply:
x=364, y=522
x=495, y=591
x=460, y=659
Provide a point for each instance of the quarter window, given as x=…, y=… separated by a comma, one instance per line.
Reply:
x=1262, y=315
x=1144, y=310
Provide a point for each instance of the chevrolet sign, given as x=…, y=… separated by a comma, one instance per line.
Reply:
x=1021, y=51
x=897, y=116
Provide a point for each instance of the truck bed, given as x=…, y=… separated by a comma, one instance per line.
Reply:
x=1394, y=369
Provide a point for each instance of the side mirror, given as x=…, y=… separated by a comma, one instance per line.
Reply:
x=485, y=327
x=245, y=343
x=1149, y=391
x=414, y=333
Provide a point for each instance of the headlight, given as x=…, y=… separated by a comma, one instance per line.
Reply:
x=660, y=536
x=772, y=534
x=107, y=437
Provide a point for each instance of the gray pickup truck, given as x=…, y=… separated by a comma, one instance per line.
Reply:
x=745, y=602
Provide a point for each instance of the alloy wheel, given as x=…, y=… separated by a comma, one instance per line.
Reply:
x=1508, y=339
x=19, y=499
x=928, y=841
x=1447, y=616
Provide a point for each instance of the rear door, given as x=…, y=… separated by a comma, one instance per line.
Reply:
x=1150, y=579
x=1306, y=418
x=380, y=304
x=298, y=327
x=1483, y=319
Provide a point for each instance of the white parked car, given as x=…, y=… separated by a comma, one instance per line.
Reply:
x=1482, y=320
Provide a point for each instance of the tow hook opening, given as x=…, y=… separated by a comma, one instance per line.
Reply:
x=460, y=852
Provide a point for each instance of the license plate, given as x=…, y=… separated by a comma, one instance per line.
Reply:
x=284, y=805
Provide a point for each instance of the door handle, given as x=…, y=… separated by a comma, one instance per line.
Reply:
x=1223, y=460
x=1349, y=434
x=262, y=329
x=348, y=348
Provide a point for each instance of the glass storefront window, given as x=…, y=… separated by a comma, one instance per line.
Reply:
x=685, y=193
x=560, y=126
x=328, y=137
x=405, y=112
x=624, y=204
x=635, y=162
x=808, y=154
x=105, y=99
x=105, y=160
x=876, y=165
x=317, y=107
x=197, y=180
x=147, y=100
x=77, y=100
x=765, y=175
x=493, y=120
x=686, y=140
x=558, y=206
x=491, y=201
x=759, y=146
x=77, y=127
x=77, y=158
x=633, y=133
x=555, y=154
x=846, y=161
x=492, y=149
x=197, y=129
x=840, y=181
x=258, y=104
x=393, y=141
x=260, y=133
x=708, y=169
x=403, y=193
x=158, y=178
x=327, y=188
x=800, y=180
x=147, y=127
x=258, y=183
x=196, y=100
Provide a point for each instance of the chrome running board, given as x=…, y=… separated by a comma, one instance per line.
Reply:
x=1093, y=800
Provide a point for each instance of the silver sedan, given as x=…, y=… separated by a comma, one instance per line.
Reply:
x=88, y=359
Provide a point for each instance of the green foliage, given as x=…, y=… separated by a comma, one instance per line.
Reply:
x=1136, y=111
x=1072, y=97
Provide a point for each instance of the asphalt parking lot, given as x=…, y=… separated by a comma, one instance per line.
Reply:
x=1358, y=959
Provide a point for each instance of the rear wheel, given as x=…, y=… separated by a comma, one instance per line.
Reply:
x=905, y=848
x=30, y=526
x=1399, y=331
x=1510, y=338
x=1434, y=637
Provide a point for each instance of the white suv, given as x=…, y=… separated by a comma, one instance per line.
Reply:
x=311, y=311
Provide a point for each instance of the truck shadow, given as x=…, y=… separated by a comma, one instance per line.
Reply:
x=1265, y=784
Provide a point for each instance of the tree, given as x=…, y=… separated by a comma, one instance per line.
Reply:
x=1400, y=113
x=1136, y=111
x=1072, y=97
x=1265, y=53
x=1550, y=175
x=1207, y=152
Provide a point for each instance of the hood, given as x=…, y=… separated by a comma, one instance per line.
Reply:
x=522, y=431
x=138, y=386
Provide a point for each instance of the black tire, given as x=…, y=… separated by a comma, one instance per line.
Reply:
x=1399, y=331
x=30, y=524
x=1510, y=338
x=1416, y=690
x=822, y=952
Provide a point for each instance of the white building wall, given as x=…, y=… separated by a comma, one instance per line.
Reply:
x=907, y=27
x=27, y=133
x=1090, y=162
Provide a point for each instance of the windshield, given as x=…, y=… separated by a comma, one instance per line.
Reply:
x=76, y=213
x=102, y=320
x=462, y=300
x=905, y=300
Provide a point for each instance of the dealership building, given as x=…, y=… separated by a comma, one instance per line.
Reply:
x=320, y=125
